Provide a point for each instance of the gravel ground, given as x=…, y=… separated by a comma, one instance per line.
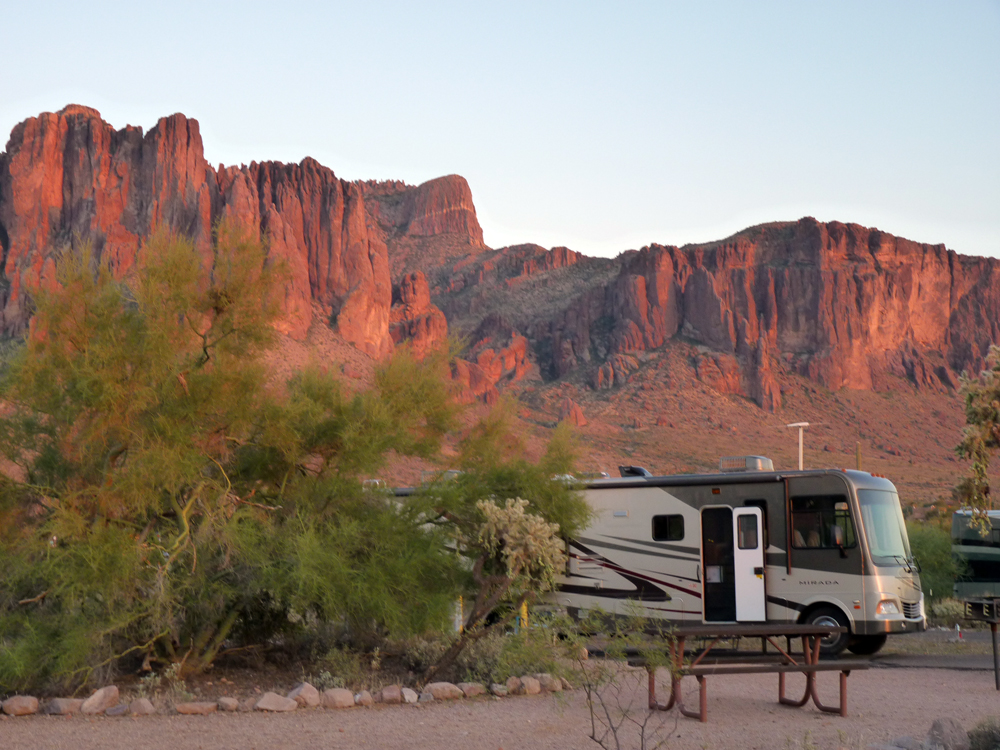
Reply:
x=743, y=713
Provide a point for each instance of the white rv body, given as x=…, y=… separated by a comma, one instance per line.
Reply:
x=715, y=548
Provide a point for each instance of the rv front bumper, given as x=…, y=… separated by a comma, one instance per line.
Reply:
x=877, y=627
x=890, y=613
x=896, y=617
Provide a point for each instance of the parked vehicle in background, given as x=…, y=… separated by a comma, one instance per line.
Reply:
x=981, y=578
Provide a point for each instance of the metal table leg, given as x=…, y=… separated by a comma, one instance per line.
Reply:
x=996, y=656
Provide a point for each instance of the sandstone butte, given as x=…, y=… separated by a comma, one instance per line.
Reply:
x=386, y=262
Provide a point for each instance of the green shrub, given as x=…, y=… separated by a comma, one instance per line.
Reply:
x=931, y=546
x=345, y=668
x=946, y=612
x=174, y=502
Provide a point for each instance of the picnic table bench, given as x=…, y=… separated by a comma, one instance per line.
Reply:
x=781, y=664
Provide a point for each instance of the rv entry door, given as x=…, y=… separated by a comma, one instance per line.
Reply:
x=748, y=550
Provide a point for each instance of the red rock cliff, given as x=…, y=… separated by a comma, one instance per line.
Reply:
x=845, y=305
x=70, y=177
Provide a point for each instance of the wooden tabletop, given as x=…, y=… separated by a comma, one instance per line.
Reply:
x=748, y=630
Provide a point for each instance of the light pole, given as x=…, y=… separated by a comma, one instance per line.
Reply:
x=801, y=426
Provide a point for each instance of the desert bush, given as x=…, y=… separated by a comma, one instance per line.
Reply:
x=946, y=612
x=980, y=439
x=345, y=667
x=931, y=546
x=510, y=516
x=172, y=502
x=985, y=735
x=617, y=693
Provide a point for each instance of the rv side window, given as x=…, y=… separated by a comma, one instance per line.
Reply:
x=822, y=522
x=668, y=528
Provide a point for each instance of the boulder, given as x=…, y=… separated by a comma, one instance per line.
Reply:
x=500, y=691
x=566, y=684
x=204, y=708
x=409, y=696
x=426, y=697
x=143, y=707
x=120, y=710
x=530, y=686
x=100, y=701
x=471, y=689
x=947, y=734
x=305, y=695
x=228, y=704
x=337, y=698
x=64, y=706
x=443, y=691
x=20, y=705
x=391, y=695
x=514, y=686
x=548, y=683
x=274, y=702
x=364, y=698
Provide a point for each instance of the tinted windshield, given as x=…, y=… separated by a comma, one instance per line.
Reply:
x=883, y=521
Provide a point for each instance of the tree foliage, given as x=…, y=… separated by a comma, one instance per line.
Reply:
x=166, y=497
x=939, y=568
x=981, y=438
x=170, y=497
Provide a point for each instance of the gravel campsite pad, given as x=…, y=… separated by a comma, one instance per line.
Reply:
x=743, y=713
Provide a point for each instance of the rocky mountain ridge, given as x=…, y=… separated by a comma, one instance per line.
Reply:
x=385, y=262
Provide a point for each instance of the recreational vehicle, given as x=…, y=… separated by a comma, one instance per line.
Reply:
x=980, y=554
x=749, y=544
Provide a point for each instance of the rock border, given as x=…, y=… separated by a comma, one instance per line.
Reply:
x=104, y=701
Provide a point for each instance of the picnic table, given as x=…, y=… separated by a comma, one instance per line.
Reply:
x=700, y=667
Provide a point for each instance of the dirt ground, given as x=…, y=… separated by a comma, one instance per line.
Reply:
x=743, y=713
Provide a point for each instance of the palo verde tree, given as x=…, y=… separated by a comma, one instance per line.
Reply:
x=164, y=497
x=981, y=438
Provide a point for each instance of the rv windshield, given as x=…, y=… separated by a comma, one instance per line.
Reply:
x=883, y=521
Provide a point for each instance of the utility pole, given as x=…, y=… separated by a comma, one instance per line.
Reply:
x=801, y=426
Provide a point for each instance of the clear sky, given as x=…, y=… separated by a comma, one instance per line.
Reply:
x=601, y=126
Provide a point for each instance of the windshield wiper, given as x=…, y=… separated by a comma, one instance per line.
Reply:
x=910, y=563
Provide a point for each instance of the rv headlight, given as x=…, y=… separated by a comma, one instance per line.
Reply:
x=887, y=607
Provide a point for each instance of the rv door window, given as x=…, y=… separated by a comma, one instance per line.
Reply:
x=762, y=504
x=822, y=522
x=668, y=528
x=747, y=532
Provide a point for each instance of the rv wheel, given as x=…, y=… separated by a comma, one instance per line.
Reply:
x=834, y=644
x=865, y=645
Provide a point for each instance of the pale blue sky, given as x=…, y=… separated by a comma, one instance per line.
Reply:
x=598, y=126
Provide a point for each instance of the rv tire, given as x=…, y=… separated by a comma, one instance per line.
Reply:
x=866, y=645
x=832, y=645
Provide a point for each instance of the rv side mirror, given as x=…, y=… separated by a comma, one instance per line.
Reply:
x=838, y=540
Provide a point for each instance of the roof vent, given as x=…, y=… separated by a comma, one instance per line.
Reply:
x=633, y=471
x=745, y=463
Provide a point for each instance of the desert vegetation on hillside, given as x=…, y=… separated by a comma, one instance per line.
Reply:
x=165, y=501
